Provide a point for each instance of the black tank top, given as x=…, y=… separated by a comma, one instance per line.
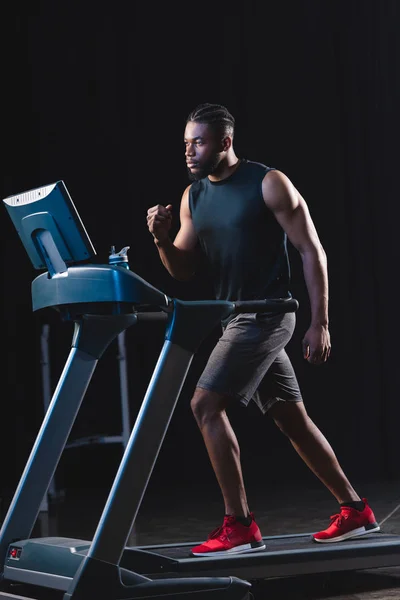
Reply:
x=245, y=246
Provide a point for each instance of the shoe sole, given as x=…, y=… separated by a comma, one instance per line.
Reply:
x=237, y=550
x=351, y=534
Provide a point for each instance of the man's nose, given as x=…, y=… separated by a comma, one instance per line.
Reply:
x=190, y=150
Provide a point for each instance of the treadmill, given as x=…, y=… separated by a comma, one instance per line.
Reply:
x=102, y=300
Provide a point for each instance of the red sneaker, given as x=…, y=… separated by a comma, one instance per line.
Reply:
x=348, y=524
x=232, y=537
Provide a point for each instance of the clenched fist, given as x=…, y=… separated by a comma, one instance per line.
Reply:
x=159, y=219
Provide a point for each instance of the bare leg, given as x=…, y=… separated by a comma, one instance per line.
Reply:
x=222, y=447
x=313, y=448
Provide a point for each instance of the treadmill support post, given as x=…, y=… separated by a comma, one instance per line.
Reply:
x=189, y=324
x=92, y=335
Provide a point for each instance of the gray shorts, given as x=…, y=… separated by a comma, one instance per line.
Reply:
x=249, y=361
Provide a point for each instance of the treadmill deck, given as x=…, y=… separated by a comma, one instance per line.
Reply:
x=286, y=555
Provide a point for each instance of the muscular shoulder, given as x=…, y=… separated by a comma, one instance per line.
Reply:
x=279, y=192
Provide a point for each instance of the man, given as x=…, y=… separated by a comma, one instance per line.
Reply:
x=239, y=214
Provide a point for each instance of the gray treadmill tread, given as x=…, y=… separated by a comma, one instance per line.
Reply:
x=288, y=555
x=293, y=544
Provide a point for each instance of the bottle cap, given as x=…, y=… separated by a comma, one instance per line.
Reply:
x=117, y=258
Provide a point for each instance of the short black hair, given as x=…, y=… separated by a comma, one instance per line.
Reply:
x=215, y=115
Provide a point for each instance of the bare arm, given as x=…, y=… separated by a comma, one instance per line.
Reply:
x=291, y=212
x=179, y=256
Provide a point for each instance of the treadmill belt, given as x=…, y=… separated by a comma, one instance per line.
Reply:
x=285, y=555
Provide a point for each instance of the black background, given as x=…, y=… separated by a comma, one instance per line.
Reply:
x=98, y=95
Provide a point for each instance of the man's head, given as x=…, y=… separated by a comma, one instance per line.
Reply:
x=209, y=135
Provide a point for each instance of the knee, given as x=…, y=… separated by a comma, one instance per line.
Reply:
x=291, y=419
x=206, y=405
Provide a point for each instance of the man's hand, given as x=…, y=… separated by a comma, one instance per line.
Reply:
x=317, y=344
x=159, y=219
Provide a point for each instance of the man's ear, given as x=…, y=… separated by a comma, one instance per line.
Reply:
x=226, y=143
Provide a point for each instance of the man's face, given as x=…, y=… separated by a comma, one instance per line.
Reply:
x=203, y=151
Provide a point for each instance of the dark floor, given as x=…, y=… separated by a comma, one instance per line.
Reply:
x=172, y=515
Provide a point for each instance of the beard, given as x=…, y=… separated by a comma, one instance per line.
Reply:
x=207, y=168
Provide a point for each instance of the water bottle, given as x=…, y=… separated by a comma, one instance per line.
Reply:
x=119, y=258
